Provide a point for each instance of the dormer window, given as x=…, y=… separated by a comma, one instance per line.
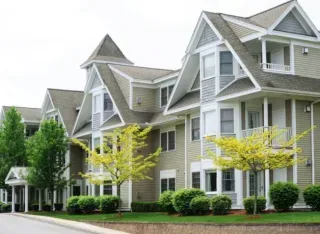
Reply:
x=107, y=102
x=226, y=63
x=209, y=66
x=96, y=104
x=165, y=94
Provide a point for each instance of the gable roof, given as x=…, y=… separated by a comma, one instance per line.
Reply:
x=27, y=113
x=66, y=101
x=107, y=51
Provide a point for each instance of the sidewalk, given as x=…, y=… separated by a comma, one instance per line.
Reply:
x=71, y=224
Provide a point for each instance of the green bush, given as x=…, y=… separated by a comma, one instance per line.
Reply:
x=200, y=205
x=311, y=196
x=249, y=204
x=181, y=199
x=283, y=195
x=145, y=207
x=58, y=206
x=73, y=206
x=1, y=204
x=87, y=204
x=165, y=201
x=34, y=206
x=6, y=208
x=221, y=204
x=46, y=207
x=97, y=202
x=109, y=204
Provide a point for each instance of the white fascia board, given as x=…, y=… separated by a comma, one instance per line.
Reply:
x=208, y=46
x=294, y=36
x=89, y=82
x=244, y=24
x=59, y=113
x=189, y=107
x=165, y=122
x=82, y=134
x=112, y=126
x=252, y=37
x=235, y=95
x=45, y=101
x=205, y=17
x=103, y=62
x=121, y=73
x=79, y=114
x=195, y=35
x=167, y=77
x=289, y=91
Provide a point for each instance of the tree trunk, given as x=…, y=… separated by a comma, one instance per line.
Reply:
x=255, y=192
x=52, y=202
x=119, y=203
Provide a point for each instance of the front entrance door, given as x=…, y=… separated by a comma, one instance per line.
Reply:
x=260, y=183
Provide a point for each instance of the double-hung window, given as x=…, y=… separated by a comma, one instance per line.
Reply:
x=209, y=124
x=168, y=184
x=107, y=102
x=227, y=121
x=168, y=141
x=211, y=181
x=96, y=104
x=165, y=94
x=196, y=180
x=195, y=129
x=209, y=65
x=107, y=188
x=226, y=63
x=228, y=180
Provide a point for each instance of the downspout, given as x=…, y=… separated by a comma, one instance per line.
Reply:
x=312, y=141
x=185, y=151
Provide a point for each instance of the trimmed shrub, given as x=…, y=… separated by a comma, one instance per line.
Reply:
x=6, y=208
x=46, y=207
x=34, y=206
x=311, y=196
x=58, y=206
x=1, y=204
x=165, y=201
x=283, y=195
x=97, y=202
x=200, y=205
x=181, y=199
x=87, y=204
x=109, y=204
x=249, y=204
x=145, y=207
x=73, y=206
x=221, y=204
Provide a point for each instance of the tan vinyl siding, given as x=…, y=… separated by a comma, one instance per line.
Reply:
x=286, y=52
x=244, y=182
x=124, y=194
x=317, y=142
x=290, y=174
x=76, y=160
x=172, y=160
x=193, y=151
x=241, y=31
x=307, y=64
x=124, y=85
x=288, y=113
x=147, y=97
x=303, y=123
x=208, y=90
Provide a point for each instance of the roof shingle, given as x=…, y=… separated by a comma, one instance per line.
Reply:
x=28, y=114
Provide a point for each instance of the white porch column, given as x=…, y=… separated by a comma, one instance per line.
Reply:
x=64, y=199
x=1, y=198
x=267, y=172
x=54, y=199
x=238, y=173
x=26, y=198
x=294, y=133
x=13, y=200
x=218, y=150
x=101, y=189
x=6, y=197
x=292, y=58
x=264, y=53
x=40, y=199
x=93, y=187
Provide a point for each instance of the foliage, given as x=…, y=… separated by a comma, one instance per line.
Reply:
x=145, y=207
x=1, y=204
x=109, y=204
x=12, y=144
x=165, y=201
x=181, y=199
x=97, y=202
x=248, y=204
x=58, y=206
x=200, y=205
x=46, y=153
x=284, y=195
x=87, y=204
x=221, y=204
x=34, y=206
x=6, y=208
x=255, y=154
x=121, y=157
x=46, y=207
x=73, y=206
x=311, y=196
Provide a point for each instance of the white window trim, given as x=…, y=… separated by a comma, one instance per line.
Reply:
x=205, y=180
x=234, y=126
x=204, y=124
x=195, y=117
x=163, y=87
x=203, y=56
x=168, y=174
x=175, y=140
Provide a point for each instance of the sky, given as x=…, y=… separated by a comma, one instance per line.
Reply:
x=43, y=43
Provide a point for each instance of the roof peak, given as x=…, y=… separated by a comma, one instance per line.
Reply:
x=131, y=65
x=272, y=8
x=66, y=90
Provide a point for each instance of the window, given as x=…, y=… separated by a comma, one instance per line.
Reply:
x=196, y=180
x=165, y=94
x=76, y=191
x=226, y=64
x=107, y=188
x=209, y=65
x=227, y=125
x=107, y=102
x=168, y=184
x=96, y=104
x=168, y=141
x=228, y=180
x=253, y=119
x=56, y=118
x=211, y=181
x=251, y=184
x=209, y=122
x=195, y=129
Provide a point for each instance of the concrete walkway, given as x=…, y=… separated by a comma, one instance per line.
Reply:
x=72, y=227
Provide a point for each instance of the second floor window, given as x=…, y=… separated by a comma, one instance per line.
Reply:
x=227, y=121
x=168, y=141
x=209, y=122
x=226, y=63
x=165, y=94
x=209, y=66
x=96, y=104
x=107, y=102
x=195, y=129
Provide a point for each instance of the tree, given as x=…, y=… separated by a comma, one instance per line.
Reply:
x=46, y=153
x=255, y=153
x=121, y=158
x=12, y=144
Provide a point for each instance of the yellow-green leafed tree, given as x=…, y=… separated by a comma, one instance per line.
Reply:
x=121, y=157
x=255, y=153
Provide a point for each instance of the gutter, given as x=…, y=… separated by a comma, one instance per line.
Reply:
x=312, y=141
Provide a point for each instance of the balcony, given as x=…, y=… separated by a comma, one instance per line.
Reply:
x=283, y=136
x=278, y=68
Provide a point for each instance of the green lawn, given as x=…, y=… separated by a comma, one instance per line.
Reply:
x=292, y=217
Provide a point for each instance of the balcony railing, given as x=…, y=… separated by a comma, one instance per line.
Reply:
x=285, y=134
x=276, y=67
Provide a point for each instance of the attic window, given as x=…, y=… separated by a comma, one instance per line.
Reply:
x=107, y=103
